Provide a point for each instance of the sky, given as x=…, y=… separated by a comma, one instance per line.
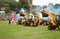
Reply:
x=45, y=2
x=17, y=0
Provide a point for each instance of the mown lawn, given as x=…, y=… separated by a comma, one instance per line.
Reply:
x=8, y=31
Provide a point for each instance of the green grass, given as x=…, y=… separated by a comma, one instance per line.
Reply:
x=8, y=31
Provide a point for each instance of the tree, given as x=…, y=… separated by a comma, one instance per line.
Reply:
x=24, y=4
x=57, y=6
x=13, y=5
x=8, y=10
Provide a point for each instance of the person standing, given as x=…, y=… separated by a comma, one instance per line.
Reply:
x=13, y=16
x=9, y=18
x=10, y=21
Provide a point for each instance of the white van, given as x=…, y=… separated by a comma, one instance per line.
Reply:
x=2, y=12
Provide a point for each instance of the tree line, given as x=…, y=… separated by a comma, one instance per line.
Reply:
x=13, y=5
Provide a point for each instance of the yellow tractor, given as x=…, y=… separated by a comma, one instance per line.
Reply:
x=23, y=17
x=31, y=21
x=39, y=19
x=35, y=20
x=53, y=22
x=28, y=20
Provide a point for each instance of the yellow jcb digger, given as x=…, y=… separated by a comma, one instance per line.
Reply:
x=52, y=22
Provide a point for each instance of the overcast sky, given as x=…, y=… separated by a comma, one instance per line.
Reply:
x=17, y=0
x=44, y=2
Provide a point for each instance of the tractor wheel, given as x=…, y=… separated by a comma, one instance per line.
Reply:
x=49, y=27
x=31, y=24
x=54, y=27
x=40, y=23
x=35, y=24
x=24, y=24
x=45, y=23
x=58, y=27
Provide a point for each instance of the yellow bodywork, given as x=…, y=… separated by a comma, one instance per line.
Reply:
x=39, y=19
x=34, y=23
x=53, y=18
x=25, y=14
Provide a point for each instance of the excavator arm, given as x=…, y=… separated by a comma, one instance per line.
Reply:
x=24, y=14
x=52, y=16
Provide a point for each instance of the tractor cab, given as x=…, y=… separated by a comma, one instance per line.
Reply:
x=22, y=15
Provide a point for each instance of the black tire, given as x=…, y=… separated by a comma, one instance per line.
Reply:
x=49, y=27
x=41, y=23
x=54, y=27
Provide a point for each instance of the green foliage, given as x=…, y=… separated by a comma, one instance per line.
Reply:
x=12, y=4
x=13, y=31
x=8, y=10
x=57, y=5
x=25, y=4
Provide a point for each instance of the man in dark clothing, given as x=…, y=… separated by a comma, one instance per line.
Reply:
x=9, y=21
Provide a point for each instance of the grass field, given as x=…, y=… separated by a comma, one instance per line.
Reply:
x=8, y=31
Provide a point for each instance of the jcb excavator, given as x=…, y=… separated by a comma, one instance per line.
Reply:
x=28, y=20
x=39, y=18
x=52, y=22
x=58, y=21
x=23, y=17
x=31, y=21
